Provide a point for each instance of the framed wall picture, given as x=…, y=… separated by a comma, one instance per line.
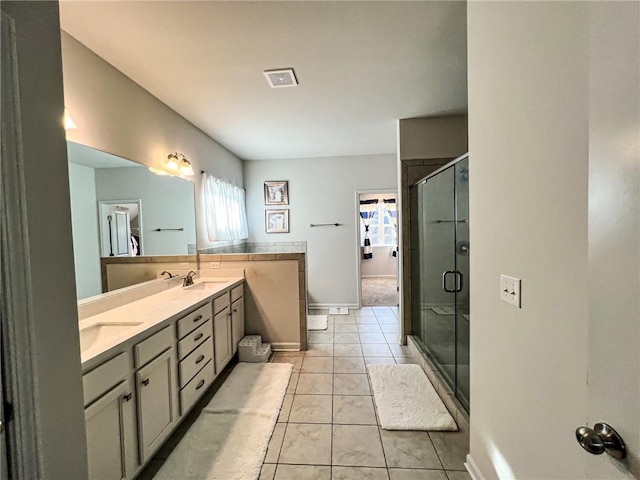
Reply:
x=276, y=193
x=276, y=221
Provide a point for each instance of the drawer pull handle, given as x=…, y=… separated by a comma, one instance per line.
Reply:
x=235, y=310
x=127, y=397
x=145, y=382
x=200, y=385
x=197, y=319
x=199, y=359
x=198, y=337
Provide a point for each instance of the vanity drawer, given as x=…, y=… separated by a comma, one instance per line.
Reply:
x=190, y=394
x=193, y=320
x=221, y=303
x=153, y=346
x=195, y=361
x=237, y=292
x=195, y=338
x=103, y=378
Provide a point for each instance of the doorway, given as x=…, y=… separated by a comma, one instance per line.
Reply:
x=378, y=248
x=120, y=228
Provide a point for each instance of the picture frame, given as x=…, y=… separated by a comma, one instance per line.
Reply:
x=276, y=193
x=276, y=221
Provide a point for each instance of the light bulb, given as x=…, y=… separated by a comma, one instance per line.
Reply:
x=185, y=168
x=172, y=163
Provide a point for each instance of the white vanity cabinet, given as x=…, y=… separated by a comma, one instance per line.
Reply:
x=110, y=420
x=222, y=337
x=228, y=325
x=156, y=388
x=195, y=353
x=237, y=316
x=136, y=398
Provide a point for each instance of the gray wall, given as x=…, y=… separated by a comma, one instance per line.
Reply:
x=86, y=242
x=534, y=129
x=321, y=191
x=116, y=115
x=167, y=202
x=55, y=343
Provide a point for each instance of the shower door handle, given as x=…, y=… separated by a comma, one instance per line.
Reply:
x=458, y=281
x=444, y=281
x=458, y=284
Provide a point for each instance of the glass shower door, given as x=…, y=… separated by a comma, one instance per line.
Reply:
x=436, y=267
x=440, y=273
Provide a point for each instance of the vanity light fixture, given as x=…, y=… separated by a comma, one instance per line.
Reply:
x=178, y=163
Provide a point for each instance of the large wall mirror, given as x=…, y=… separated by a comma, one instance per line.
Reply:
x=120, y=208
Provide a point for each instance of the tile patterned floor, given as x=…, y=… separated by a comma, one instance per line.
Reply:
x=328, y=427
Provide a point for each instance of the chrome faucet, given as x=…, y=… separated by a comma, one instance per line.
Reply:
x=188, y=280
x=168, y=273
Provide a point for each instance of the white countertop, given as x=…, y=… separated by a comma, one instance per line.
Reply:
x=151, y=311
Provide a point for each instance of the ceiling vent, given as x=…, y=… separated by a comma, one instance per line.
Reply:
x=281, y=78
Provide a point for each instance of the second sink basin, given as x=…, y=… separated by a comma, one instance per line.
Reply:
x=207, y=285
x=99, y=332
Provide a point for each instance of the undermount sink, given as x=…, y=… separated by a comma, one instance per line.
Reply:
x=207, y=285
x=99, y=332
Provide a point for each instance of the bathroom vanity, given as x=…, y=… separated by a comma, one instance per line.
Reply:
x=146, y=364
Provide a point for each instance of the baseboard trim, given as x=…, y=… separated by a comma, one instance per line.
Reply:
x=332, y=305
x=472, y=468
x=379, y=276
x=285, y=346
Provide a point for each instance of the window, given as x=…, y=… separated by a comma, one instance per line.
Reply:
x=382, y=230
x=225, y=210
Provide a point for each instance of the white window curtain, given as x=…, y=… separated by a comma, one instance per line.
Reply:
x=225, y=210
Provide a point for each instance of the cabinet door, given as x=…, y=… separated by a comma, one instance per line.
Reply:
x=157, y=402
x=222, y=338
x=109, y=421
x=237, y=323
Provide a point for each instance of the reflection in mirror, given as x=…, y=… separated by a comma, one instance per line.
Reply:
x=120, y=208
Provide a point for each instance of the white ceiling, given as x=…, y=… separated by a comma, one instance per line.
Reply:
x=361, y=67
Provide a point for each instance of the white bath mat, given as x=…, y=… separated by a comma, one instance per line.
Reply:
x=317, y=322
x=229, y=439
x=406, y=400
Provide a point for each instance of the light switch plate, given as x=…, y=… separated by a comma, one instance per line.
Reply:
x=214, y=264
x=510, y=290
x=184, y=266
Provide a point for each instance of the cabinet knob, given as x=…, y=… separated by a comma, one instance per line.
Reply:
x=127, y=397
x=145, y=382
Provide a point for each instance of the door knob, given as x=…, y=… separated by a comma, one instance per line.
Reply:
x=602, y=438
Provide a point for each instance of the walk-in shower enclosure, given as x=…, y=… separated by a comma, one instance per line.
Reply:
x=440, y=272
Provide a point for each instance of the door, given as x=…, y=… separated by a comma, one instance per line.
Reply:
x=614, y=239
x=237, y=323
x=434, y=301
x=157, y=405
x=120, y=228
x=440, y=284
x=222, y=338
x=106, y=434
